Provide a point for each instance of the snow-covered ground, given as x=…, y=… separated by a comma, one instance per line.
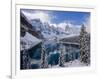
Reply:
x=75, y=63
x=67, y=36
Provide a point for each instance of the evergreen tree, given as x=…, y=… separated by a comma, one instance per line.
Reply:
x=44, y=61
x=25, y=59
x=62, y=57
x=70, y=51
x=84, y=46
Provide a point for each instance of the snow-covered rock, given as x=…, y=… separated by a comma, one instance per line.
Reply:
x=49, y=31
x=28, y=41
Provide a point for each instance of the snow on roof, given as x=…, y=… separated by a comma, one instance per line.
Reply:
x=29, y=41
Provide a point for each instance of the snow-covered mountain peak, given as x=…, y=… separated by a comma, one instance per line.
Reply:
x=51, y=30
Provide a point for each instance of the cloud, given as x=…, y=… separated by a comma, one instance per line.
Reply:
x=43, y=16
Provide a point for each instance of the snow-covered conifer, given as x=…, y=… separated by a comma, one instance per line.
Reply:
x=44, y=61
x=61, y=57
x=84, y=46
